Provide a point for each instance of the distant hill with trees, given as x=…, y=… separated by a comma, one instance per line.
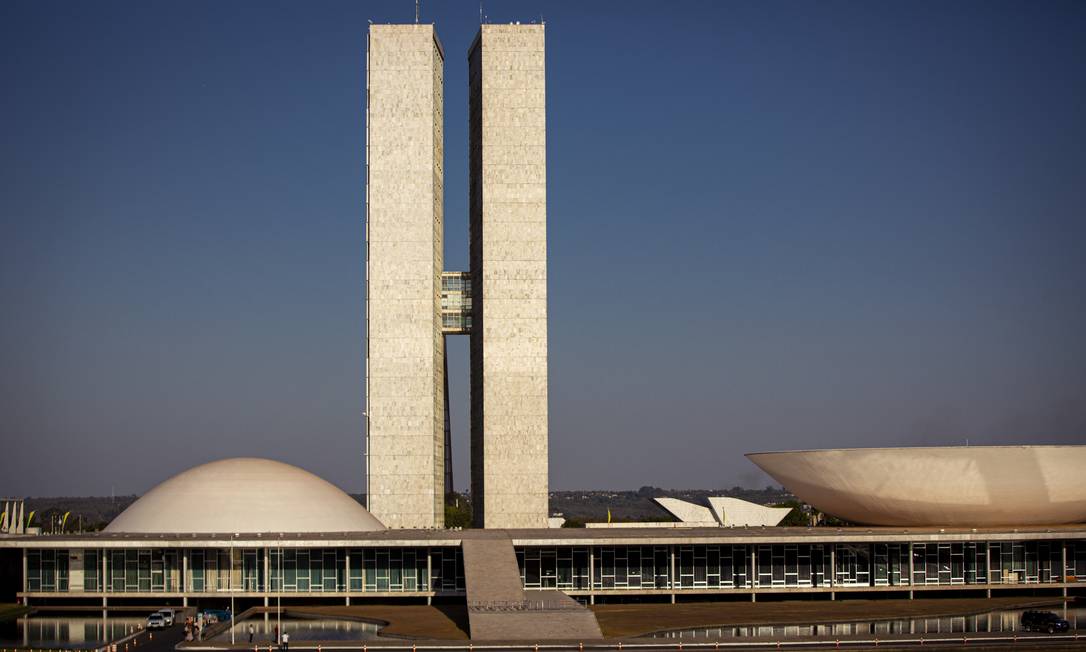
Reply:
x=578, y=507
x=93, y=512
x=589, y=506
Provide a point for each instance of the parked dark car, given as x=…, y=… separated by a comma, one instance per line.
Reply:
x=1043, y=621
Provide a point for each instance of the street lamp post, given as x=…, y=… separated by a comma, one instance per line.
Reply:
x=279, y=595
x=231, y=576
x=366, y=414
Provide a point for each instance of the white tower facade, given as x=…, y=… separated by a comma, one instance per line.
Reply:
x=405, y=402
x=508, y=218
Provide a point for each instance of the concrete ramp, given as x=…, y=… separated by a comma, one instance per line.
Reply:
x=500, y=609
x=491, y=573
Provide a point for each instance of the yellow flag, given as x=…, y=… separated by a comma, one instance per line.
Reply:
x=608, y=514
x=64, y=520
x=30, y=519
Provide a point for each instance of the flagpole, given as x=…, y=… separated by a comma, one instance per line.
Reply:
x=279, y=595
x=231, y=591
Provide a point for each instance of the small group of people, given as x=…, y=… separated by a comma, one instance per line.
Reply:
x=282, y=641
x=194, y=628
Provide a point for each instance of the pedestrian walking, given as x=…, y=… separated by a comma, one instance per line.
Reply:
x=286, y=641
x=250, y=632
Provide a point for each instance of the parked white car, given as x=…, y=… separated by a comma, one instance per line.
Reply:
x=156, y=621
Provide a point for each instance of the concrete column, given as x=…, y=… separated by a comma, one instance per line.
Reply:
x=105, y=580
x=910, y=570
x=592, y=575
x=871, y=564
x=26, y=582
x=1063, y=567
x=753, y=572
x=267, y=573
x=833, y=570
x=347, y=575
x=429, y=577
x=671, y=574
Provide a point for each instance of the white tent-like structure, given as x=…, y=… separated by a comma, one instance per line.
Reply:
x=723, y=511
x=245, y=495
x=743, y=513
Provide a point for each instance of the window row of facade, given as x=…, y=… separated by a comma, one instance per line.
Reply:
x=596, y=568
x=204, y=570
x=638, y=568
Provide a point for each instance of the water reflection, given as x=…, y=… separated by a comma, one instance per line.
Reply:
x=996, y=621
x=301, y=629
x=66, y=631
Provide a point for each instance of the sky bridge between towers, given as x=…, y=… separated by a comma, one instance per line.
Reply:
x=456, y=303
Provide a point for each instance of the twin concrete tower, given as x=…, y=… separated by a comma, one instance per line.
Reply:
x=413, y=304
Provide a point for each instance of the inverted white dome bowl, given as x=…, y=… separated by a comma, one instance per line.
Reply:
x=972, y=486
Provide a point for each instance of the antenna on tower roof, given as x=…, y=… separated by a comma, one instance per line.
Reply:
x=480, y=12
x=416, y=12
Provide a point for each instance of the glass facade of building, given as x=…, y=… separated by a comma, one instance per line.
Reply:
x=47, y=570
x=770, y=566
x=583, y=569
x=142, y=570
x=210, y=570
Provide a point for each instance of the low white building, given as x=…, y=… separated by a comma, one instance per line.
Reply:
x=722, y=511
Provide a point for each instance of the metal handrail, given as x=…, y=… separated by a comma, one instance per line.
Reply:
x=521, y=605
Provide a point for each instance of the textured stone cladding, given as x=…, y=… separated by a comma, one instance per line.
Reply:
x=404, y=247
x=508, y=211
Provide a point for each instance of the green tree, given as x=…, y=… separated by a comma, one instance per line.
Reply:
x=798, y=517
x=457, y=511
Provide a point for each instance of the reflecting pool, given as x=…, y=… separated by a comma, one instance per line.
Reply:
x=995, y=621
x=300, y=629
x=77, y=631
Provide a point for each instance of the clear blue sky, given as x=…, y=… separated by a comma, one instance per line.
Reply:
x=772, y=225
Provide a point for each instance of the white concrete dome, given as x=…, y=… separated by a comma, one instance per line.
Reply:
x=978, y=486
x=248, y=495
